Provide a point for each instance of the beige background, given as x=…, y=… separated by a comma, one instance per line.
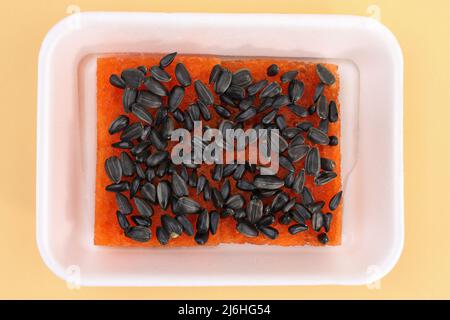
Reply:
x=423, y=30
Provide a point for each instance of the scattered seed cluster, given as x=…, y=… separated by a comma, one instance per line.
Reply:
x=145, y=155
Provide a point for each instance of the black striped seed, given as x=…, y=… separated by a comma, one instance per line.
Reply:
x=304, y=126
x=223, y=82
x=162, y=235
x=116, y=81
x=296, y=228
x=335, y=201
x=322, y=107
x=324, y=177
x=167, y=60
x=120, y=123
x=225, y=190
x=235, y=92
x=269, y=232
x=327, y=164
x=128, y=98
x=163, y=194
x=295, y=90
x=268, y=182
x=204, y=111
x=286, y=163
x=122, y=145
x=201, y=238
x=186, y=205
x=281, y=101
x=182, y=75
x=139, y=233
x=312, y=162
x=171, y=225
x=298, y=110
x=247, y=229
x=288, y=76
x=297, y=152
x=269, y=117
x=123, y=221
x=245, y=185
x=123, y=204
x=217, y=198
x=215, y=72
x=242, y=78
x=325, y=75
x=142, y=221
x=256, y=87
x=159, y=74
x=133, y=131
x=299, y=181
x=148, y=192
x=113, y=168
x=323, y=238
x=156, y=87
x=179, y=185
x=254, y=211
x=318, y=91
x=285, y=219
x=202, y=223
x=118, y=187
x=278, y=202
x=142, y=113
x=133, y=78
x=222, y=111
x=134, y=186
x=289, y=180
x=246, y=115
x=214, y=219
x=304, y=213
x=333, y=115
x=317, y=136
x=175, y=98
x=273, y=70
x=149, y=100
x=317, y=221
x=272, y=90
x=188, y=228
x=307, y=197
x=323, y=125
x=143, y=207
x=328, y=217
x=203, y=93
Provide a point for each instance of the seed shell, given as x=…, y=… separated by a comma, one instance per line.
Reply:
x=335, y=201
x=273, y=70
x=162, y=235
x=325, y=75
x=203, y=92
x=123, y=204
x=159, y=74
x=120, y=123
x=171, y=225
x=139, y=233
x=214, y=219
x=182, y=75
x=163, y=194
x=143, y=207
x=247, y=229
x=133, y=78
x=288, y=76
x=167, y=60
x=123, y=221
x=156, y=88
x=317, y=136
x=113, y=169
x=116, y=81
x=188, y=228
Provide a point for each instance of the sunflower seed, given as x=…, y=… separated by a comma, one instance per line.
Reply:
x=245, y=115
x=178, y=115
x=175, y=98
x=254, y=211
x=171, y=225
x=162, y=235
x=325, y=75
x=318, y=91
x=203, y=93
x=123, y=221
x=143, y=69
x=186, y=205
x=280, y=121
x=156, y=158
x=204, y=111
x=273, y=70
x=268, y=182
x=128, y=98
x=163, y=193
x=140, y=148
x=297, y=140
x=120, y=123
x=312, y=109
x=217, y=172
x=304, y=213
x=143, y=207
x=327, y=164
x=228, y=169
x=289, y=205
x=286, y=163
x=122, y=145
x=162, y=169
x=167, y=128
x=324, y=177
x=217, y=198
x=247, y=229
x=142, y=113
x=215, y=72
x=201, y=238
x=269, y=232
x=312, y=162
x=132, y=132
x=295, y=90
x=223, y=81
x=256, y=87
x=118, y=187
x=148, y=99
x=333, y=115
x=272, y=90
x=265, y=104
x=202, y=223
x=323, y=238
x=335, y=201
x=123, y=204
x=298, y=110
x=288, y=76
x=214, y=218
x=246, y=103
x=225, y=190
x=269, y=117
x=299, y=182
x=222, y=111
x=239, y=214
x=323, y=125
x=290, y=132
x=113, y=169
x=334, y=141
x=142, y=221
x=242, y=78
x=317, y=136
x=322, y=107
x=226, y=100
x=134, y=187
x=157, y=89
x=140, y=171
x=235, y=202
x=133, y=78
x=239, y=172
x=193, y=179
x=278, y=202
x=296, y=228
x=159, y=74
x=235, y=92
x=167, y=60
x=207, y=192
x=305, y=126
x=266, y=220
x=179, y=186
x=182, y=75
x=317, y=221
x=139, y=233
x=188, y=228
x=316, y=206
x=245, y=185
x=150, y=174
x=289, y=180
x=116, y=81
x=297, y=152
x=148, y=192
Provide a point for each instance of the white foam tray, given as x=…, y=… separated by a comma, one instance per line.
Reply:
x=371, y=67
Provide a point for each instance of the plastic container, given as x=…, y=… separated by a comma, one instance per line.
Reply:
x=371, y=69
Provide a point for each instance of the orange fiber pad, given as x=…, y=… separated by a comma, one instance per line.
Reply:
x=109, y=107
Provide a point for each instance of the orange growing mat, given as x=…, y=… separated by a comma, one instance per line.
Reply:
x=108, y=231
